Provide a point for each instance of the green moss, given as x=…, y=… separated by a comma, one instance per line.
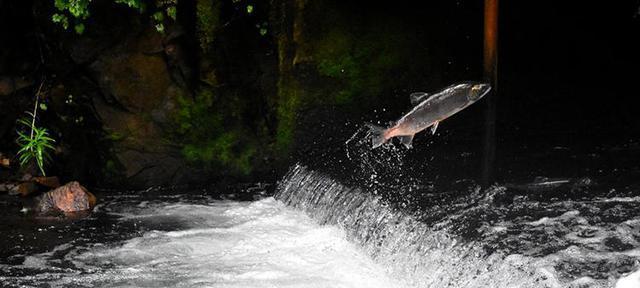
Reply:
x=194, y=116
x=208, y=20
x=114, y=136
x=204, y=129
x=360, y=62
x=221, y=150
x=286, y=111
x=113, y=169
x=333, y=54
x=354, y=60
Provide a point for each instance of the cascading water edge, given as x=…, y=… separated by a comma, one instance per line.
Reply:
x=193, y=240
x=424, y=254
x=320, y=232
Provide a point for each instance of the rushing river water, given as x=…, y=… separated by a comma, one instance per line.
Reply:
x=204, y=244
x=316, y=232
x=382, y=223
x=480, y=240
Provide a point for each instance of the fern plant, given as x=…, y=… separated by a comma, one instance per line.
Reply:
x=35, y=144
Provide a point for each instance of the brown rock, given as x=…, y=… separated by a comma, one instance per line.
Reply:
x=24, y=189
x=137, y=81
x=6, y=187
x=69, y=198
x=50, y=182
x=4, y=162
x=9, y=85
x=141, y=84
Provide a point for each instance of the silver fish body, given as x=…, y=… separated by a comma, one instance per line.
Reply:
x=429, y=110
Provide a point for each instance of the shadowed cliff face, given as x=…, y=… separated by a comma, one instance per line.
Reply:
x=99, y=91
x=137, y=97
x=127, y=90
x=221, y=92
x=228, y=92
x=134, y=96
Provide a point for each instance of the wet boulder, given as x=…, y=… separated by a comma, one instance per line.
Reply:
x=51, y=182
x=136, y=102
x=4, y=161
x=69, y=198
x=28, y=185
x=24, y=189
x=7, y=186
x=9, y=85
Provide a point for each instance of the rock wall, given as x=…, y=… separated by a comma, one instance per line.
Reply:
x=230, y=88
x=138, y=96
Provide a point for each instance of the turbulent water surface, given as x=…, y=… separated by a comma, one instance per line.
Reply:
x=203, y=244
x=480, y=240
x=371, y=219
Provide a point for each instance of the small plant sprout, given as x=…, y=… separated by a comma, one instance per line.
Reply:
x=36, y=143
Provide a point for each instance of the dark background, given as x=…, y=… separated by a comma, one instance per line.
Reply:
x=564, y=67
x=569, y=66
x=567, y=95
x=568, y=70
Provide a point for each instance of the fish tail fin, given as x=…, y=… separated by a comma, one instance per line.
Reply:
x=378, y=135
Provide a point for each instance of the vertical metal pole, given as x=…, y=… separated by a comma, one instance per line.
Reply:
x=490, y=75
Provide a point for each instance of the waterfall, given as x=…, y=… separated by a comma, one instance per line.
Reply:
x=421, y=254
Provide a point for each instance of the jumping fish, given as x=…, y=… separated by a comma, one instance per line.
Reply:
x=430, y=110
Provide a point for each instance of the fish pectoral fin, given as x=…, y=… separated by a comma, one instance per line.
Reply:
x=406, y=141
x=434, y=127
x=417, y=97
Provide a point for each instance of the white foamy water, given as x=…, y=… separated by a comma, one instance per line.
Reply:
x=630, y=281
x=222, y=244
x=567, y=249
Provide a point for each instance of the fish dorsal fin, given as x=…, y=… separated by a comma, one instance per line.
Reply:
x=418, y=97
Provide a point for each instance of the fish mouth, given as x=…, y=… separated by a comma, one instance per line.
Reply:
x=478, y=91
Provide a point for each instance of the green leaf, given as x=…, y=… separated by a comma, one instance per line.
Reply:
x=79, y=30
x=60, y=4
x=58, y=18
x=158, y=16
x=249, y=9
x=25, y=156
x=25, y=122
x=160, y=27
x=24, y=150
x=47, y=145
x=36, y=145
x=23, y=136
x=172, y=12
